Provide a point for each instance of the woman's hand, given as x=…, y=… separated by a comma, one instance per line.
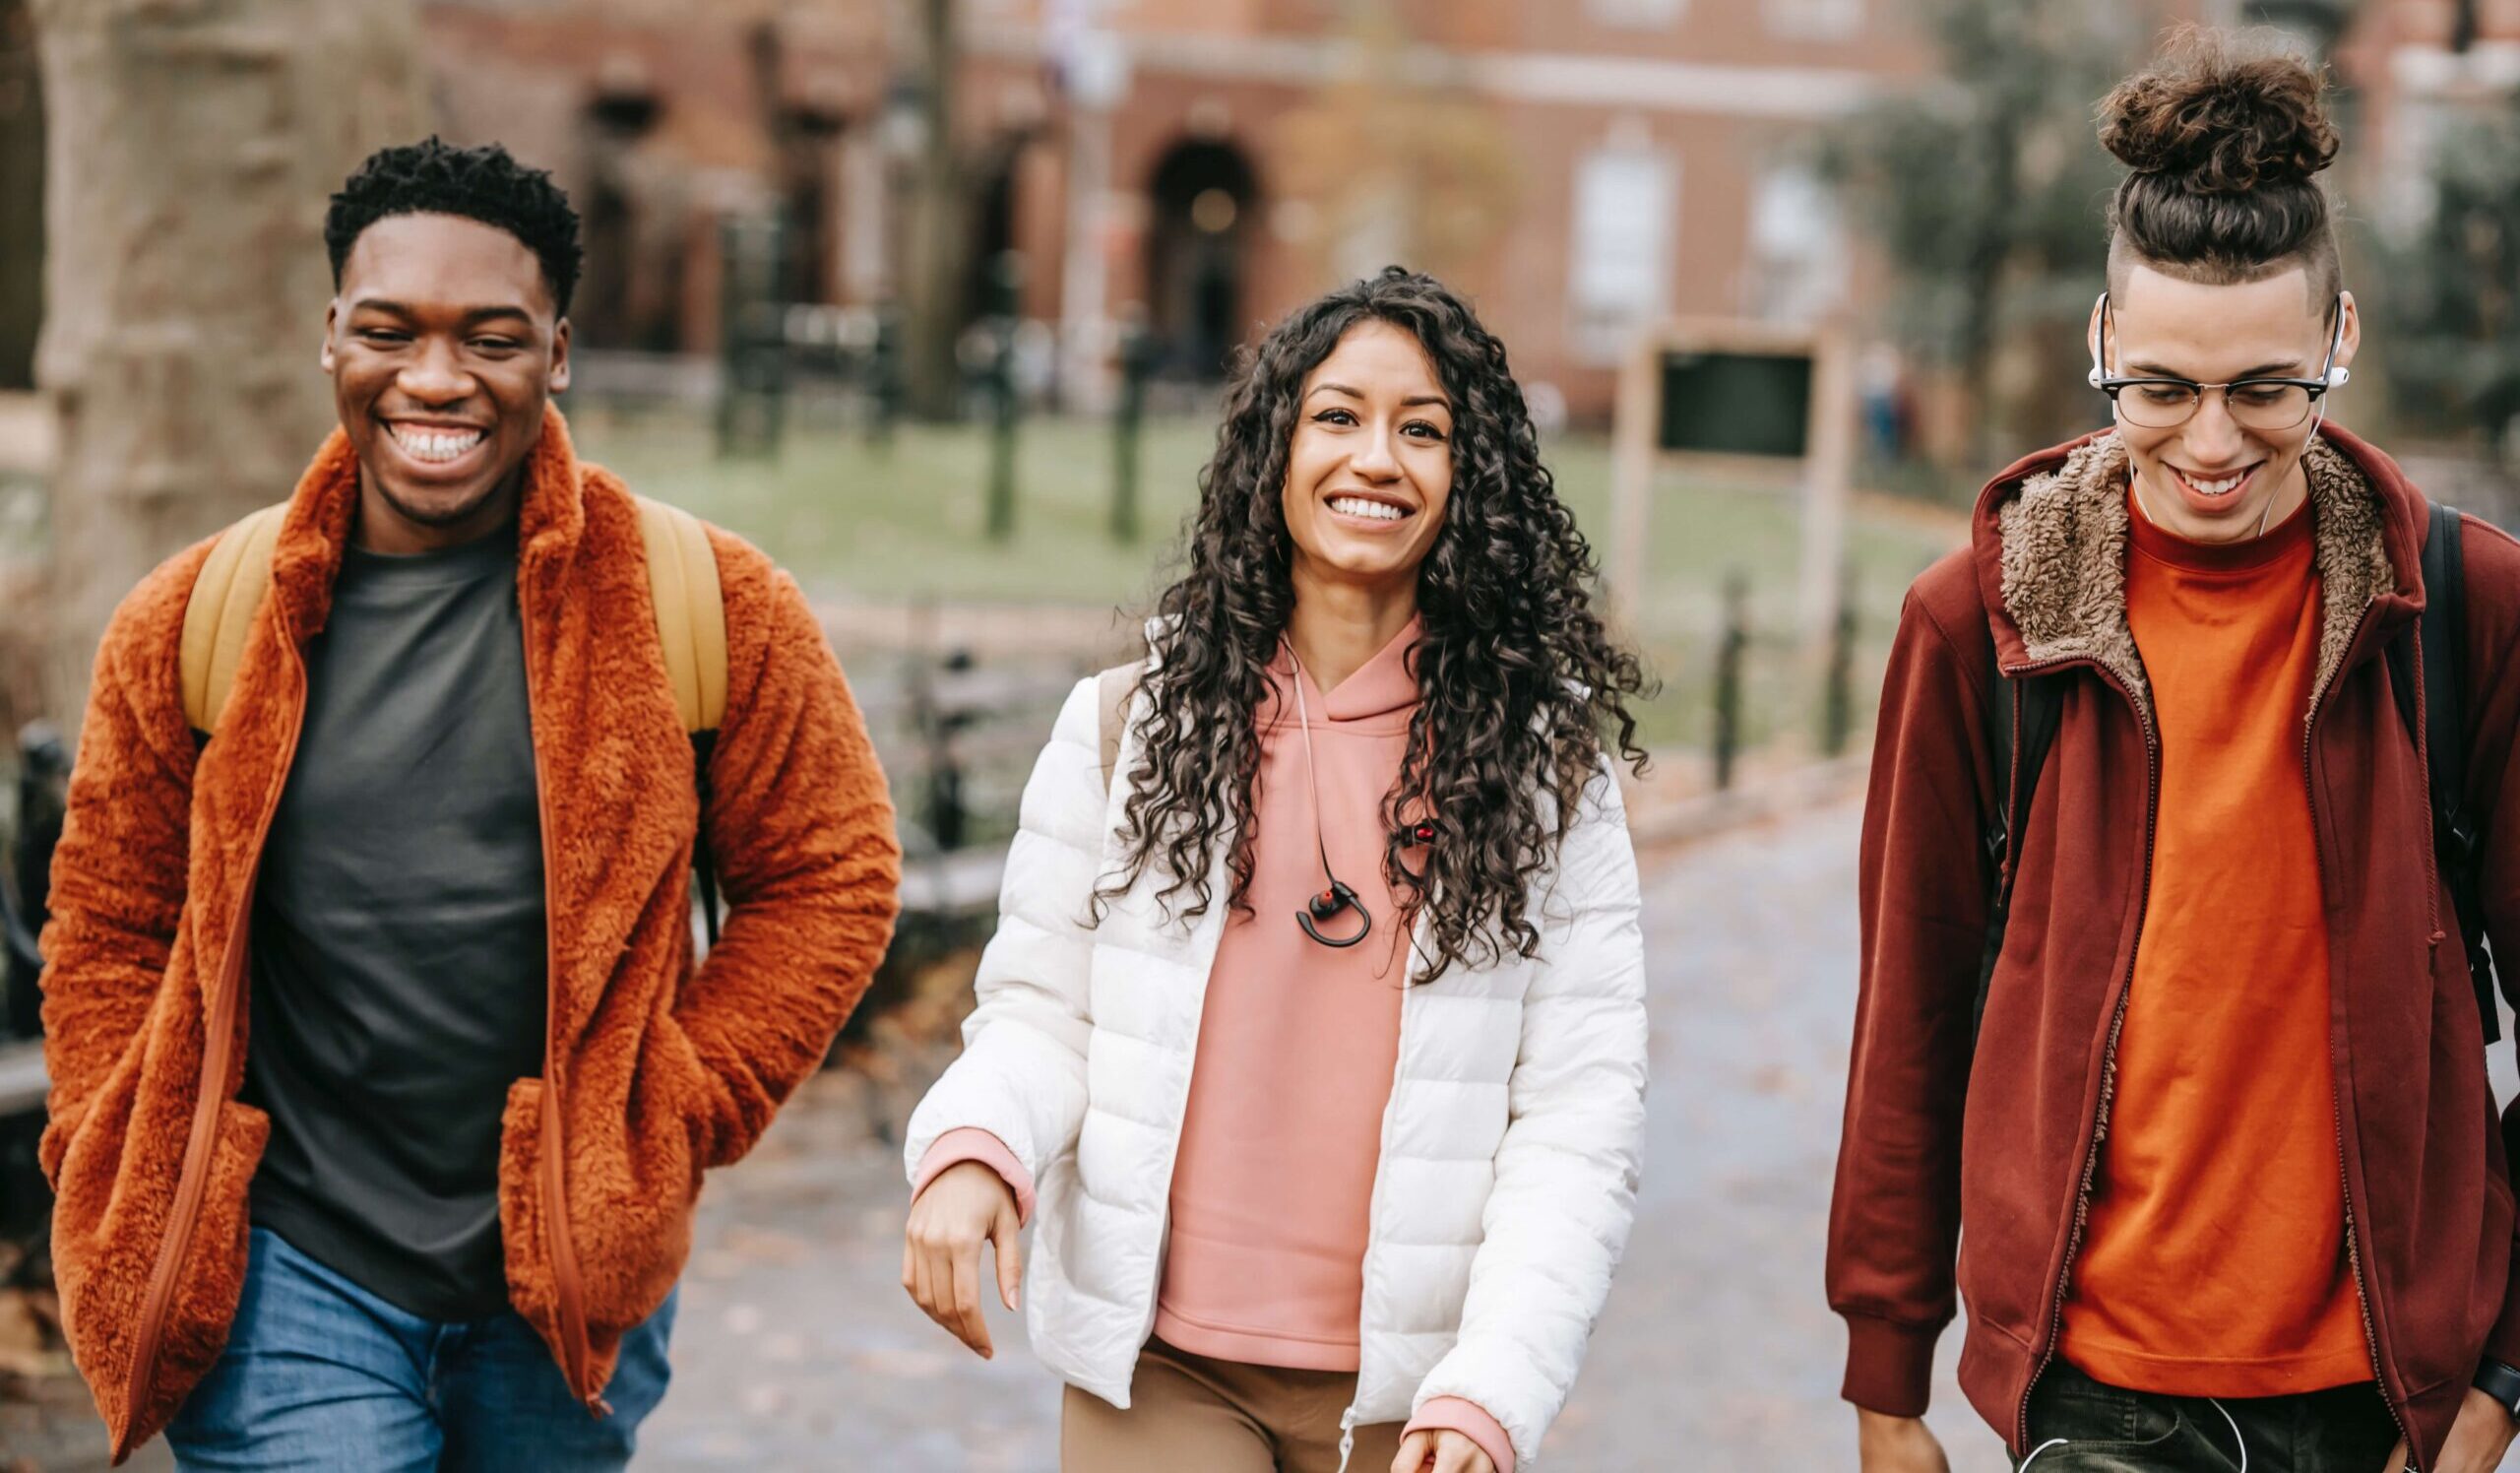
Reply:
x=1440, y=1450
x=967, y=1205
x=1897, y=1445
x=2477, y=1439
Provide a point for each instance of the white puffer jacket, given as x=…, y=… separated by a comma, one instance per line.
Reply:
x=1509, y=1149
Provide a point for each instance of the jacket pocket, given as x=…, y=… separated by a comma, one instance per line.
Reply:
x=533, y=1289
x=210, y=1278
x=630, y=1197
x=116, y=1205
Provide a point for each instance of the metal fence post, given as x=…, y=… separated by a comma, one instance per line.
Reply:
x=1837, y=698
x=1731, y=647
x=1006, y=281
x=1128, y=423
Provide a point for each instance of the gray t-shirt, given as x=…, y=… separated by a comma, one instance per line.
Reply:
x=398, y=946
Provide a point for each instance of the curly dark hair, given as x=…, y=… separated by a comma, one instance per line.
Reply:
x=1519, y=682
x=2224, y=139
x=488, y=184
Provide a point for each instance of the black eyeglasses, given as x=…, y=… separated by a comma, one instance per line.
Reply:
x=2267, y=403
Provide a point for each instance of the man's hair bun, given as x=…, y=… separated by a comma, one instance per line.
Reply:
x=2214, y=117
x=2224, y=139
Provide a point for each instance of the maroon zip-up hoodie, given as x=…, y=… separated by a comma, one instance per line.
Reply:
x=2004, y=1136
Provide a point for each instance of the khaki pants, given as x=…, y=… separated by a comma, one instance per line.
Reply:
x=1189, y=1414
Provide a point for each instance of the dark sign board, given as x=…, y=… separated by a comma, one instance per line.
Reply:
x=1735, y=403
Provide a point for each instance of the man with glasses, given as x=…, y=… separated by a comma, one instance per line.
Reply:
x=2169, y=1058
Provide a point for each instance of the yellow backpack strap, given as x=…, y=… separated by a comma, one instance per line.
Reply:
x=691, y=613
x=220, y=613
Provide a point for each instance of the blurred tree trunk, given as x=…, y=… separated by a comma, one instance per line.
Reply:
x=22, y=188
x=190, y=152
x=937, y=230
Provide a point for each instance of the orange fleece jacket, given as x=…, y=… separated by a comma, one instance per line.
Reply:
x=663, y=1070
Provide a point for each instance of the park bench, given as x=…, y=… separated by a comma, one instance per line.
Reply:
x=959, y=741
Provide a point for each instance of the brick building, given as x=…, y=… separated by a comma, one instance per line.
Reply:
x=1211, y=163
x=2414, y=62
x=1576, y=165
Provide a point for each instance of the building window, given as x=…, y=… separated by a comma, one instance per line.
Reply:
x=1814, y=19
x=1638, y=14
x=1798, y=247
x=1626, y=197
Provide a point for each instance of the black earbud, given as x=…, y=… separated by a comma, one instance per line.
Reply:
x=1326, y=906
x=1408, y=837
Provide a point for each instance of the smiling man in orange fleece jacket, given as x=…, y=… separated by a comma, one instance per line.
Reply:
x=383, y=1078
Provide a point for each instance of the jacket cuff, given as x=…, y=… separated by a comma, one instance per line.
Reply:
x=1889, y=1365
x=972, y=1143
x=2502, y=1343
x=1471, y=1419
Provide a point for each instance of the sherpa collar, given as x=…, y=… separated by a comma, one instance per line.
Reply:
x=2059, y=542
x=550, y=520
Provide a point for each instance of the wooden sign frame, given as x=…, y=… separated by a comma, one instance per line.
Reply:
x=1824, y=471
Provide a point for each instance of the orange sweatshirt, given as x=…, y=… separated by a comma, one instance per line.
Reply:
x=2214, y=1263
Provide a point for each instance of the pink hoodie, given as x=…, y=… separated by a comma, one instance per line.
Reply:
x=1297, y=1043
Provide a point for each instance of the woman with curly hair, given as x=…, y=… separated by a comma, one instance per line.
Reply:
x=1313, y=1032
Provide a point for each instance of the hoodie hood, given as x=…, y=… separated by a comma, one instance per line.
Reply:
x=1381, y=694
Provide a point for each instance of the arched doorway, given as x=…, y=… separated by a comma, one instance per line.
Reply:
x=1204, y=196
x=993, y=236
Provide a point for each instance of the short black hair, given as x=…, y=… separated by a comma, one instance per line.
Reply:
x=486, y=184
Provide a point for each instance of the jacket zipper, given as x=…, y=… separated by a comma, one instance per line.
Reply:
x=218, y=1051
x=567, y=1290
x=2345, y=1177
x=1373, y=1206
x=1180, y=1113
x=2108, y=1053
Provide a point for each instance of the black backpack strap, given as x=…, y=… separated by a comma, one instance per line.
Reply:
x=2021, y=725
x=703, y=864
x=2457, y=838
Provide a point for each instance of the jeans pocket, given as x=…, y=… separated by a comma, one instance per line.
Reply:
x=2077, y=1423
x=2161, y=1444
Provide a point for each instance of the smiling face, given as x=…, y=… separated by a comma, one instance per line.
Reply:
x=444, y=349
x=1370, y=469
x=2213, y=478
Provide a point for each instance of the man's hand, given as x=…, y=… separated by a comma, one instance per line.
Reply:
x=2477, y=1442
x=1431, y=1449
x=1896, y=1445
x=967, y=1205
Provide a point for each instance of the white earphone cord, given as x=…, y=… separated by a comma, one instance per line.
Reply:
x=1311, y=782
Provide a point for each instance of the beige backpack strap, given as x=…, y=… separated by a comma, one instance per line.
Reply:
x=220, y=612
x=691, y=613
x=1112, y=690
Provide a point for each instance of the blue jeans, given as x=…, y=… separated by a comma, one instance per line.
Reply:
x=316, y=1367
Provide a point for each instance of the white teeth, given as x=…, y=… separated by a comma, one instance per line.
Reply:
x=438, y=446
x=1358, y=506
x=2219, y=488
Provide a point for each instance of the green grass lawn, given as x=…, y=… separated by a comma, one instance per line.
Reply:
x=860, y=523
